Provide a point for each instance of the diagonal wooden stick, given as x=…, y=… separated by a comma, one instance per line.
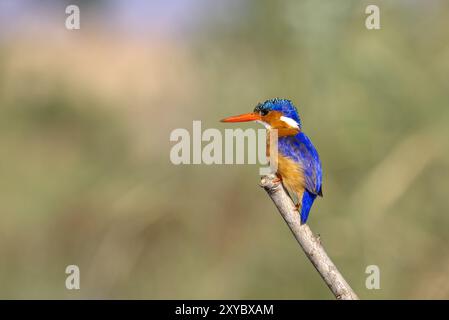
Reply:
x=309, y=243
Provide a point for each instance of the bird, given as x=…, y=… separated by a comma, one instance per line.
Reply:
x=299, y=165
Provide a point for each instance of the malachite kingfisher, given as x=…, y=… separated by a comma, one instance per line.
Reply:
x=299, y=166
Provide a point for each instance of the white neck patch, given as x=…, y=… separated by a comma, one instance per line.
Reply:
x=292, y=123
x=266, y=125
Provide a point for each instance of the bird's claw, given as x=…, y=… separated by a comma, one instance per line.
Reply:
x=277, y=180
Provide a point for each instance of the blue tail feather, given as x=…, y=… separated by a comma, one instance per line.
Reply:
x=306, y=204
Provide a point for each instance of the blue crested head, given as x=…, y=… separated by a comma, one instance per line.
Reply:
x=284, y=106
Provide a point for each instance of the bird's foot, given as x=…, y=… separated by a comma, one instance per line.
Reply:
x=277, y=180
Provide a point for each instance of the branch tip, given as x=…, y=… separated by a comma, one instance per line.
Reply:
x=310, y=244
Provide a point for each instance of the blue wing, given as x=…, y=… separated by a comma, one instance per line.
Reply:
x=301, y=149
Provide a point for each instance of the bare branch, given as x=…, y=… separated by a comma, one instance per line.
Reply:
x=309, y=243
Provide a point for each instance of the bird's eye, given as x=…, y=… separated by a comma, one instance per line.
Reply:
x=264, y=112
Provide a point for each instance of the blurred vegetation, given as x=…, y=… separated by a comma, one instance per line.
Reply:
x=85, y=119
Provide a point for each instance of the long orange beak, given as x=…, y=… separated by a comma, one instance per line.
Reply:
x=252, y=116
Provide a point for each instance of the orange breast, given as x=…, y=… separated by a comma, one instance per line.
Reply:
x=292, y=176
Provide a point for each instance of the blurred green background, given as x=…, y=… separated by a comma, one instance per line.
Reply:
x=85, y=119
